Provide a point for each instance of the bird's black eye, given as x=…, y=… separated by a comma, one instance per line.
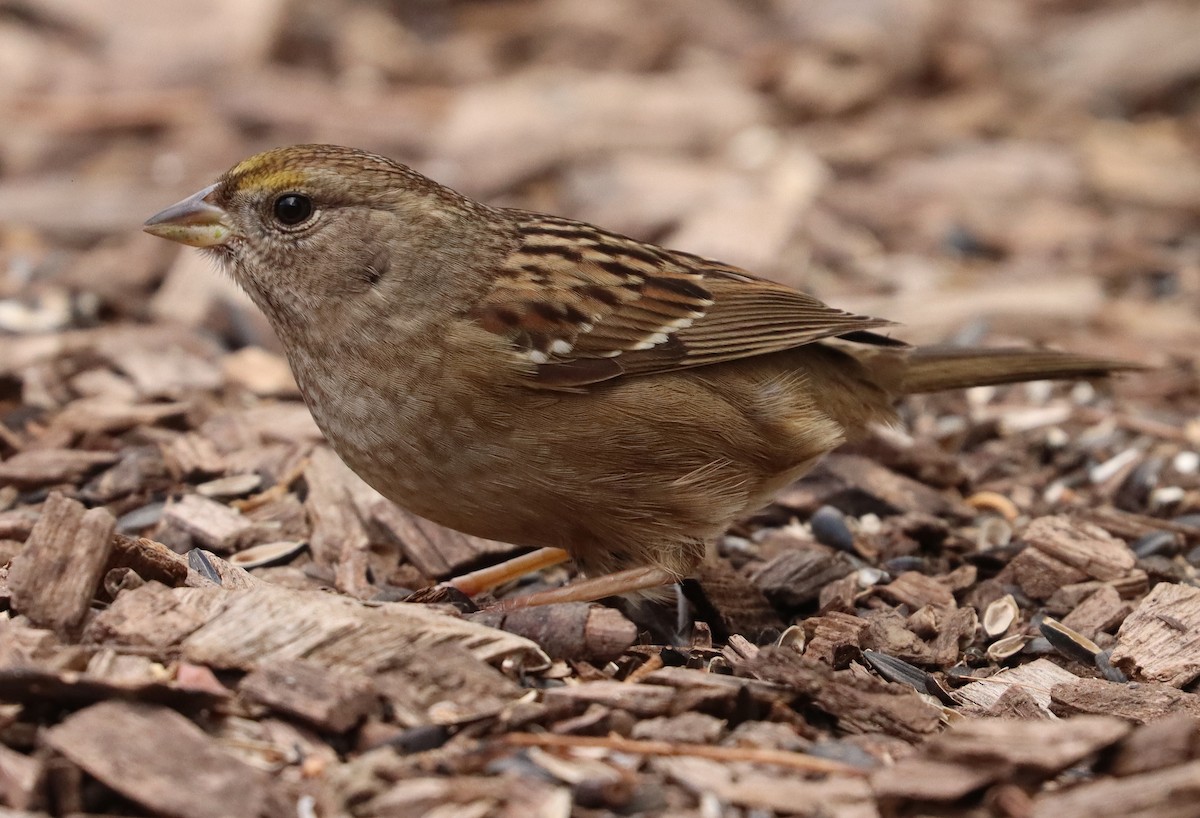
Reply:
x=293, y=208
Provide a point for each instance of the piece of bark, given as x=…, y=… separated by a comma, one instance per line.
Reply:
x=887, y=633
x=443, y=684
x=1133, y=585
x=105, y=414
x=699, y=689
x=931, y=636
x=40, y=467
x=191, y=296
x=261, y=372
x=1041, y=747
x=121, y=677
x=860, y=703
x=152, y=617
x=328, y=700
x=837, y=796
x=146, y=753
x=233, y=485
x=1097, y=60
x=1081, y=545
x=947, y=631
x=1157, y=745
x=644, y=701
x=1170, y=793
x=455, y=796
x=839, y=596
x=239, y=629
x=1038, y=574
x=57, y=573
x=1130, y=526
x=283, y=422
x=1098, y=613
x=858, y=486
x=1070, y=597
x=795, y=578
x=210, y=524
x=1017, y=703
x=141, y=469
x=1160, y=640
x=191, y=455
x=1136, y=703
x=149, y=559
x=731, y=602
x=916, y=591
x=767, y=735
x=20, y=779
x=169, y=371
x=573, y=631
x=338, y=539
x=1035, y=678
x=926, y=779
x=685, y=728
x=17, y=523
x=835, y=638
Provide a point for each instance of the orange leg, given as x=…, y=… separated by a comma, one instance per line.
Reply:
x=485, y=579
x=589, y=590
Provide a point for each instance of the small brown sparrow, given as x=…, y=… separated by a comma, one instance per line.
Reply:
x=542, y=381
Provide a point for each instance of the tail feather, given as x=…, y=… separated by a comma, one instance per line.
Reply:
x=933, y=369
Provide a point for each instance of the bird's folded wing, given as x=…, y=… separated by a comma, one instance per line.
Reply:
x=583, y=305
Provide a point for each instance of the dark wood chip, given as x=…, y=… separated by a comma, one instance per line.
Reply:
x=795, y=578
x=1157, y=745
x=1137, y=703
x=162, y=761
x=149, y=559
x=576, y=631
x=328, y=700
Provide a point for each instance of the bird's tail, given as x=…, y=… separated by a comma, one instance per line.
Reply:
x=933, y=369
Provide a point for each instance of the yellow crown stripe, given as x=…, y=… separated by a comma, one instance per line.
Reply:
x=254, y=175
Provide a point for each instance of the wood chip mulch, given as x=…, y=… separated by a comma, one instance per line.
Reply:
x=991, y=610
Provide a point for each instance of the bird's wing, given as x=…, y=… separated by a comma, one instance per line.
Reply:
x=582, y=305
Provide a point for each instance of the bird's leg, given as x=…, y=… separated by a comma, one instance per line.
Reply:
x=485, y=579
x=590, y=590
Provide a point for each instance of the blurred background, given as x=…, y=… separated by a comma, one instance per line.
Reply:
x=976, y=170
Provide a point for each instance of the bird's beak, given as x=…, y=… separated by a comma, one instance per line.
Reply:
x=194, y=221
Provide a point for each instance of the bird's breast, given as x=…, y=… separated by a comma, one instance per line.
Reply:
x=402, y=422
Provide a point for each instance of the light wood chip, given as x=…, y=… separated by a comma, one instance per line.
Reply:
x=1160, y=640
x=1170, y=793
x=1082, y=545
x=39, y=467
x=243, y=628
x=55, y=576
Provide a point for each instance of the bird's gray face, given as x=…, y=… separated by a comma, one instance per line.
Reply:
x=297, y=240
x=321, y=231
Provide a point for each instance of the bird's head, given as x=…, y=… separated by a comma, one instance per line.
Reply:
x=310, y=227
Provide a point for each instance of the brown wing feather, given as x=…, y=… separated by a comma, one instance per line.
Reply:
x=583, y=305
